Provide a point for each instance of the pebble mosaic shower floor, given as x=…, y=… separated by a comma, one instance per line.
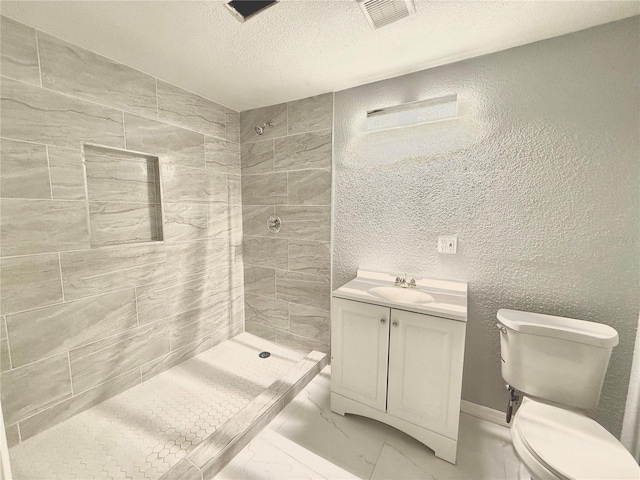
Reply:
x=144, y=431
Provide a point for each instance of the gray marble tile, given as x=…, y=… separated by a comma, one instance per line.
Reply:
x=67, y=173
x=191, y=111
x=234, y=189
x=268, y=252
x=233, y=126
x=113, y=356
x=24, y=170
x=302, y=344
x=310, y=257
x=123, y=177
x=43, y=332
x=184, y=335
x=120, y=223
x=37, y=226
x=258, y=280
x=108, y=269
x=171, y=359
x=172, y=144
x=19, y=51
x=198, y=257
x=75, y=71
x=222, y=156
x=309, y=187
x=257, y=157
x=78, y=403
x=252, y=118
x=310, y=323
x=225, y=223
x=189, y=185
x=13, y=436
x=310, y=290
x=264, y=189
x=30, y=282
x=260, y=330
x=34, y=387
x=167, y=298
x=267, y=311
x=184, y=221
x=309, y=114
x=5, y=361
x=305, y=222
x=43, y=116
x=254, y=219
x=307, y=150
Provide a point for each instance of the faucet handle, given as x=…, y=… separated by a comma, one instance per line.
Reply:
x=398, y=281
x=412, y=283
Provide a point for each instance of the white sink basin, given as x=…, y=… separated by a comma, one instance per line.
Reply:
x=402, y=295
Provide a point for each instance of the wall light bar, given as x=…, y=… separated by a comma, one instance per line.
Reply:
x=414, y=113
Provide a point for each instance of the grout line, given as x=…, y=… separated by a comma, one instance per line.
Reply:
x=70, y=376
x=124, y=131
x=61, y=279
x=46, y=151
x=157, y=102
x=35, y=32
x=6, y=329
x=135, y=298
x=19, y=432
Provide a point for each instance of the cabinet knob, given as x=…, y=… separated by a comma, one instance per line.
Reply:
x=383, y=321
x=395, y=323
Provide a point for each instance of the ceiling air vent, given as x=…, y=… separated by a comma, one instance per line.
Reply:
x=383, y=12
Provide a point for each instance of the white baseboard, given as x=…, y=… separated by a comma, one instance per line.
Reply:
x=484, y=413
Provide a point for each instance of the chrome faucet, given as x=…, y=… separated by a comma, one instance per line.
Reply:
x=402, y=282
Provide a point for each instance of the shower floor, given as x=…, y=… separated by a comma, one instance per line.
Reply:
x=143, y=432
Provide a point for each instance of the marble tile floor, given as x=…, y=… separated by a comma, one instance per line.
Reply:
x=144, y=431
x=307, y=440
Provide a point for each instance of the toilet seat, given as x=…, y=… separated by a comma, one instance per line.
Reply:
x=557, y=443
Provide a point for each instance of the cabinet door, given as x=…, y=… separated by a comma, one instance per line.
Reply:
x=359, y=346
x=425, y=371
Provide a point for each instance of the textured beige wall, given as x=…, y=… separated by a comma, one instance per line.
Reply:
x=287, y=172
x=538, y=177
x=78, y=323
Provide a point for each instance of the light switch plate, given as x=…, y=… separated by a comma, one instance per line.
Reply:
x=448, y=244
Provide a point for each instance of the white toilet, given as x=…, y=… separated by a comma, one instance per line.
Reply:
x=560, y=364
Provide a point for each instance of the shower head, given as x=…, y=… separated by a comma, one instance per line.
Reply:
x=261, y=128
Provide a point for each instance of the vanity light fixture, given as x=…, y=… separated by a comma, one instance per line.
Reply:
x=413, y=113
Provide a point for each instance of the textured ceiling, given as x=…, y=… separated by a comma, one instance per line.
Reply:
x=300, y=48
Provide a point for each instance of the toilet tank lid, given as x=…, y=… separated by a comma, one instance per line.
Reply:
x=581, y=331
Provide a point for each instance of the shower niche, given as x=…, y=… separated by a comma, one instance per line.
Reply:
x=124, y=196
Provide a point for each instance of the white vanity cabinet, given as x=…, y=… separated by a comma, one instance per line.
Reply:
x=399, y=367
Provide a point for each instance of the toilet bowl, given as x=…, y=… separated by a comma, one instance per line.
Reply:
x=559, y=364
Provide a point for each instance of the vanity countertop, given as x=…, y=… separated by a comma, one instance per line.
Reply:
x=449, y=297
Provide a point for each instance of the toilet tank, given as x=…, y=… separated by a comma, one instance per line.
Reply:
x=562, y=360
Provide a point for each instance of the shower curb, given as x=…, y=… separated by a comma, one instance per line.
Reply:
x=211, y=456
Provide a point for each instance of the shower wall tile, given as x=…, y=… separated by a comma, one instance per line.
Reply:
x=194, y=258
x=260, y=330
x=175, y=357
x=38, y=115
x=264, y=189
x=310, y=322
x=172, y=144
x=5, y=360
x=254, y=219
x=309, y=114
x=38, y=226
x=120, y=223
x=300, y=152
x=222, y=155
x=234, y=186
x=257, y=157
x=266, y=251
x=24, y=170
x=309, y=187
x=75, y=71
x=305, y=222
x=19, y=53
x=191, y=111
x=77, y=404
x=113, y=356
x=310, y=257
x=108, y=269
x=183, y=222
x=168, y=298
x=13, y=436
x=43, y=332
x=310, y=290
x=302, y=344
x=34, y=387
x=67, y=173
x=252, y=118
x=182, y=336
x=259, y=280
x=233, y=126
x=266, y=311
x=225, y=223
x=30, y=282
x=186, y=185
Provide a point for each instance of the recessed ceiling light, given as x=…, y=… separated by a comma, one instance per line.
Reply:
x=242, y=10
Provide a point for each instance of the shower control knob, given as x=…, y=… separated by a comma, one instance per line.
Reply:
x=395, y=323
x=383, y=321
